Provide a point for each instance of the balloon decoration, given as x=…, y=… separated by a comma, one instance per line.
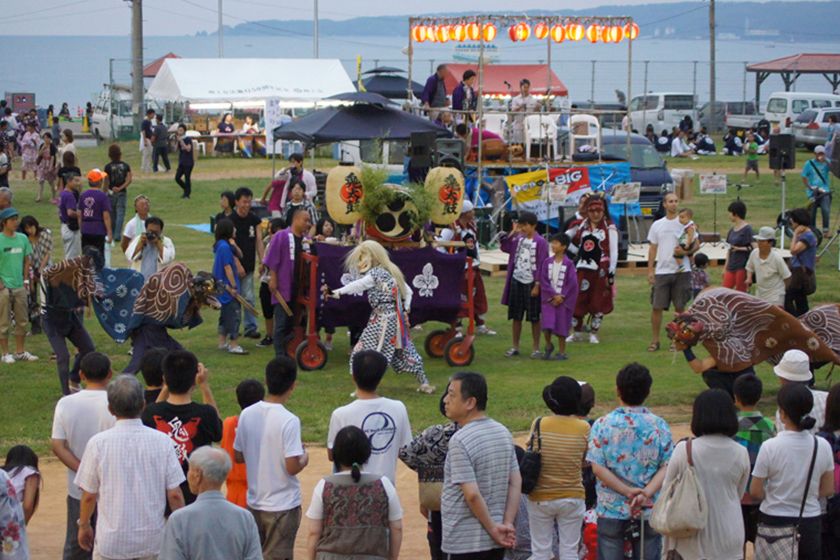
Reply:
x=599, y=30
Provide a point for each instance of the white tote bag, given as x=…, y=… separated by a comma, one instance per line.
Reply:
x=681, y=509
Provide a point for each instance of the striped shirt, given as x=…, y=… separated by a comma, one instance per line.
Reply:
x=564, y=444
x=481, y=452
x=131, y=467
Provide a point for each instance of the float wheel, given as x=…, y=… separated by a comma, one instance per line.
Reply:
x=458, y=353
x=436, y=342
x=311, y=356
x=294, y=340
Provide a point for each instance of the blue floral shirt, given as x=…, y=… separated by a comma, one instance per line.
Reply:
x=13, y=545
x=633, y=443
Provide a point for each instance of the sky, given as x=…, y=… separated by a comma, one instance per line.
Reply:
x=186, y=17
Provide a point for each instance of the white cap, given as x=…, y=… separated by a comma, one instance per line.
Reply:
x=795, y=366
x=819, y=150
x=467, y=207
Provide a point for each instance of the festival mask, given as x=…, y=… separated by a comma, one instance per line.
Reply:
x=205, y=288
x=685, y=330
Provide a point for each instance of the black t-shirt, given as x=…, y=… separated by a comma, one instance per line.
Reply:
x=189, y=426
x=151, y=395
x=246, y=238
x=66, y=173
x=185, y=158
x=117, y=173
x=161, y=134
x=146, y=127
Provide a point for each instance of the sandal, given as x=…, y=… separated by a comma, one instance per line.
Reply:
x=548, y=351
x=511, y=352
x=536, y=355
x=653, y=347
x=426, y=388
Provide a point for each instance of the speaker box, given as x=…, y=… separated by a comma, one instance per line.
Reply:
x=782, y=151
x=422, y=149
x=450, y=153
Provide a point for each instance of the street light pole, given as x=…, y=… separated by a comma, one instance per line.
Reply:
x=715, y=123
x=314, y=30
x=137, y=102
x=221, y=33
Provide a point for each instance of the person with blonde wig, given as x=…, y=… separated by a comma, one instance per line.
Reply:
x=387, y=330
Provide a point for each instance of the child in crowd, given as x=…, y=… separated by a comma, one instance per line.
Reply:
x=248, y=392
x=558, y=292
x=224, y=270
x=325, y=231
x=298, y=200
x=753, y=430
x=227, y=203
x=275, y=225
x=527, y=250
x=152, y=372
x=589, y=537
x=699, y=276
x=689, y=228
x=273, y=194
x=751, y=149
x=22, y=467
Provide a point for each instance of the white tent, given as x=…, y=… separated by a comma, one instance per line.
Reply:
x=245, y=82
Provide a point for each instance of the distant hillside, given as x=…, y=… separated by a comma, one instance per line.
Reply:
x=777, y=21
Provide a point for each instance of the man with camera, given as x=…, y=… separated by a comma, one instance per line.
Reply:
x=151, y=251
x=816, y=176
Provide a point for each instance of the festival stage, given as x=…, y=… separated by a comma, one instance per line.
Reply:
x=494, y=262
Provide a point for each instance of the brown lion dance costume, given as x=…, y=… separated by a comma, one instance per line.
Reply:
x=739, y=330
x=825, y=322
x=170, y=299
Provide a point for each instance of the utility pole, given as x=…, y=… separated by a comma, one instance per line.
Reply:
x=715, y=123
x=314, y=30
x=137, y=93
x=221, y=33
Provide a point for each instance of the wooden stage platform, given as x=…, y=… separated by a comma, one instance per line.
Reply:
x=494, y=262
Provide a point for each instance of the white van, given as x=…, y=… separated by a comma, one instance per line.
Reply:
x=663, y=110
x=784, y=106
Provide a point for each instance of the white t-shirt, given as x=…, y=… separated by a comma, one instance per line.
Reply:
x=134, y=225
x=783, y=462
x=770, y=275
x=665, y=234
x=524, y=261
x=384, y=421
x=267, y=435
x=316, y=507
x=78, y=418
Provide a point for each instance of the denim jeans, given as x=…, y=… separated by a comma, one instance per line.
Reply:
x=247, y=287
x=60, y=327
x=118, y=208
x=823, y=203
x=72, y=550
x=611, y=541
x=229, y=319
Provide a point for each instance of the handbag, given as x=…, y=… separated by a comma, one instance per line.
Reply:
x=532, y=461
x=804, y=280
x=681, y=510
x=782, y=543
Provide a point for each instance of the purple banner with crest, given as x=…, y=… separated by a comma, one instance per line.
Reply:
x=434, y=277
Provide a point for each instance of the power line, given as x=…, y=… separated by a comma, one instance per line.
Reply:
x=52, y=16
x=296, y=8
x=48, y=9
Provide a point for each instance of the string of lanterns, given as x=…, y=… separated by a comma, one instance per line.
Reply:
x=522, y=31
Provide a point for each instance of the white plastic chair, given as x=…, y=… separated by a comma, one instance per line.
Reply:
x=495, y=123
x=201, y=146
x=539, y=129
x=584, y=129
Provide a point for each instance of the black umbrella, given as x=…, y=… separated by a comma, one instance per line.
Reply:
x=372, y=98
x=392, y=87
x=356, y=122
x=385, y=70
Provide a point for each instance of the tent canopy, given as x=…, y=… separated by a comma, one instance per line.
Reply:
x=152, y=68
x=791, y=67
x=228, y=80
x=356, y=122
x=495, y=76
x=392, y=87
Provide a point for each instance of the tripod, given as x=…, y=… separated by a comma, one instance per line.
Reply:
x=739, y=186
x=832, y=240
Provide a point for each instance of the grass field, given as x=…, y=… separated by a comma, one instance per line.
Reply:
x=30, y=390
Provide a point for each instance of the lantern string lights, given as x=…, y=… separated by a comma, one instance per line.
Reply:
x=609, y=30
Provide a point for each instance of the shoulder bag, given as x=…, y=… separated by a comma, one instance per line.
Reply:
x=532, y=461
x=782, y=543
x=681, y=510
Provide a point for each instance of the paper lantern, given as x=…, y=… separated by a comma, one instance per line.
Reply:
x=575, y=32
x=558, y=33
x=458, y=32
x=419, y=33
x=473, y=31
x=593, y=33
x=613, y=34
x=431, y=35
x=523, y=31
x=541, y=30
x=512, y=33
x=631, y=31
x=442, y=33
x=489, y=32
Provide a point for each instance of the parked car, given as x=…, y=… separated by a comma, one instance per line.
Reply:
x=646, y=165
x=662, y=110
x=610, y=115
x=784, y=107
x=811, y=127
x=723, y=111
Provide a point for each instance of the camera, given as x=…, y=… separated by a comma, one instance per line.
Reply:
x=151, y=236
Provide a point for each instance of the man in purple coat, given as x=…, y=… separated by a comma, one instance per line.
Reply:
x=434, y=93
x=464, y=99
x=527, y=250
x=283, y=260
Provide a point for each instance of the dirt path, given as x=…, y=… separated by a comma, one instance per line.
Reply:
x=46, y=529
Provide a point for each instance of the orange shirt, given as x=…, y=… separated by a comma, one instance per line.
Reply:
x=237, y=480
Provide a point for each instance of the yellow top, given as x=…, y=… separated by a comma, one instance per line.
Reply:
x=564, y=443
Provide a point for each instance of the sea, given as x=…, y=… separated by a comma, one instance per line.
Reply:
x=73, y=69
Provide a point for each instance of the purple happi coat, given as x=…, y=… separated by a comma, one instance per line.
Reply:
x=509, y=244
x=280, y=258
x=558, y=318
